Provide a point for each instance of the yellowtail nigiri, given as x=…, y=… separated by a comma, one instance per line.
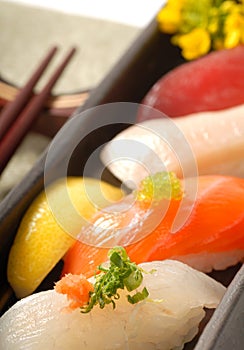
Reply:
x=197, y=144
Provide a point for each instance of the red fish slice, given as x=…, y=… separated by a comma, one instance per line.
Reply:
x=211, y=83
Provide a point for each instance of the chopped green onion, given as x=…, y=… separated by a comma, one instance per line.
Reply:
x=139, y=296
x=121, y=274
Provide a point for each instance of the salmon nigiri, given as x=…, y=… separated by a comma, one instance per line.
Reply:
x=204, y=230
x=203, y=143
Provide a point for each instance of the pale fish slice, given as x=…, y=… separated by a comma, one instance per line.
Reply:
x=197, y=144
x=167, y=320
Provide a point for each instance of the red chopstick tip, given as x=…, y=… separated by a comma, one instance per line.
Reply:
x=71, y=52
x=12, y=109
x=22, y=124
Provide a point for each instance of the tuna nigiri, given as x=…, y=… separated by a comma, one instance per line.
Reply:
x=166, y=319
x=203, y=143
x=208, y=228
x=213, y=82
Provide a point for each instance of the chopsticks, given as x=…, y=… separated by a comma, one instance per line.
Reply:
x=11, y=110
x=18, y=116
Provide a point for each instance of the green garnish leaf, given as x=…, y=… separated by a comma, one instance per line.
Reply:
x=121, y=274
x=139, y=296
x=134, y=280
x=116, y=259
x=162, y=185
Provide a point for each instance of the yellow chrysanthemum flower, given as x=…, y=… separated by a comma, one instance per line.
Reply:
x=194, y=44
x=234, y=30
x=169, y=18
x=227, y=6
x=202, y=26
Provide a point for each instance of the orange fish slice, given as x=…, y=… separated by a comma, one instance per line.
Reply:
x=211, y=238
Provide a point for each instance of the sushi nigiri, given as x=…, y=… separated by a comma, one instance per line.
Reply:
x=213, y=82
x=166, y=319
x=203, y=143
x=205, y=230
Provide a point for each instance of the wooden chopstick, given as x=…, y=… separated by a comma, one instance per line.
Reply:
x=11, y=110
x=22, y=124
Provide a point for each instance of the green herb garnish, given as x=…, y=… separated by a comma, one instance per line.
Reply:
x=121, y=274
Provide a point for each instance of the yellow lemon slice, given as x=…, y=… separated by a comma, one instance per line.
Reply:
x=50, y=225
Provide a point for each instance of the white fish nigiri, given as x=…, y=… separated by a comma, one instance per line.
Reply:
x=167, y=320
x=197, y=144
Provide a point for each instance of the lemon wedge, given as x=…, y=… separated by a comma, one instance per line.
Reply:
x=50, y=225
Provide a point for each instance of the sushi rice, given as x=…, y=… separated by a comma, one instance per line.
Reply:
x=167, y=319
